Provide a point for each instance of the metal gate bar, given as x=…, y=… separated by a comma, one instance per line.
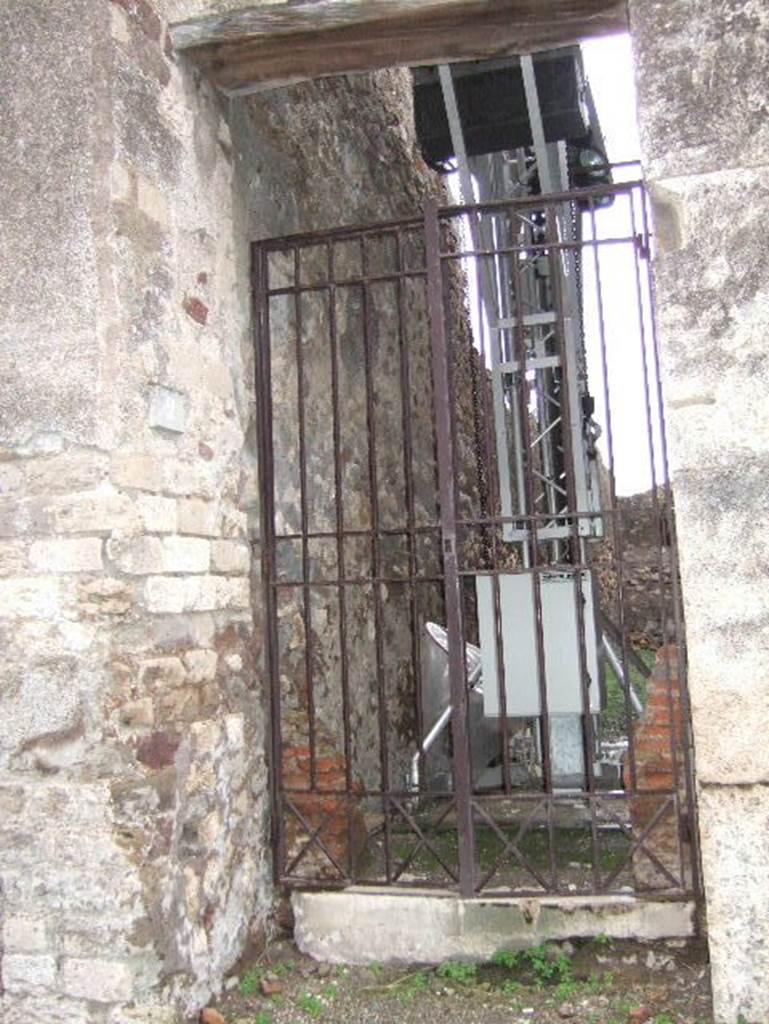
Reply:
x=381, y=511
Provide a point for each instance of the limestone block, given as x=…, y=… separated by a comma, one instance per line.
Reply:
x=11, y=479
x=137, y=714
x=81, y=554
x=138, y=555
x=161, y=672
x=735, y=848
x=36, y=597
x=23, y=934
x=230, y=556
x=198, y=517
x=13, y=558
x=206, y=593
x=235, y=523
x=165, y=594
x=147, y=1013
x=716, y=373
x=65, y=472
x=28, y=974
x=186, y=554
x=152, y=203
x=701, y=74
x=136, y=470
x=103, y=981
x=201, y=665
x=96, y=512
x=240, y=593
x=183, y=478
x=168, y=409
x=157, y=514
x=104, y=596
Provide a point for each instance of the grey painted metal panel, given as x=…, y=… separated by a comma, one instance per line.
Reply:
x=559, y=623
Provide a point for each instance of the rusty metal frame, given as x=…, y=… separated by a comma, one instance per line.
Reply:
x=463, y=809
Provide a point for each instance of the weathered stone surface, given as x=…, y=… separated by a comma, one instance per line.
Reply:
x=52, y=204
x=734, y=851
x=186, y=554
x=158, y=514
x=70, y=471
x=702, y=71
x=702, y=101
x=358, y=927
x=168, y=410
x=141, y=471
x=35, y=597
x=230, y=556
x=28, y=974
x=102, y=981
x=24, y=934
x=139, y=555
x=198, y=517
x=76, y=555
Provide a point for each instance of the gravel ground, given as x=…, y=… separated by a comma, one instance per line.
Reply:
x=596, y=982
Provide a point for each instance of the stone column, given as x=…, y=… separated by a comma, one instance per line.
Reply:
x=703, y=78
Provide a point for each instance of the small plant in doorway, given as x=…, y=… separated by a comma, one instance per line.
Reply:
x=410, y=987
x=251, y=980
x=459, y=971
x=507, y=958
x=310, y=1005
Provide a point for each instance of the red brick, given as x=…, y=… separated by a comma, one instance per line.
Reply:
x=196, y=309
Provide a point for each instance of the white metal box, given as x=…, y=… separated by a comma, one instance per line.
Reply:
x=561, y=643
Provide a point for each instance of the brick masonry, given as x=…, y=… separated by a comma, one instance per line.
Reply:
x=658, y=738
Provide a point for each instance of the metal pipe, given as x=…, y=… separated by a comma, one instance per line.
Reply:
x=619, y=671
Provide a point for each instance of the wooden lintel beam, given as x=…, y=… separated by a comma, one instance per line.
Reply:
x=274, y=43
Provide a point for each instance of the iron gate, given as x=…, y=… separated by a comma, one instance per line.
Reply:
x=474, y=641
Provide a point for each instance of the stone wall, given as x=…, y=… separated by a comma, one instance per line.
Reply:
x=702, y=71
x=134, y=860
x=132, y=766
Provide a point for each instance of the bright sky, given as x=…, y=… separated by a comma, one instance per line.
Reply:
x=609, y=68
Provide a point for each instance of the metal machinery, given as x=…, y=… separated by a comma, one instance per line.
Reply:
x=516, y=128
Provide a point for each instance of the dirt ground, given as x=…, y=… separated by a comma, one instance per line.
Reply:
x=592, y=982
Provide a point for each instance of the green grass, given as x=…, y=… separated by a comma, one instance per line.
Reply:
x=458, y=971
x=250, y=982
x=571, y=845
x=310, y=1005
x=411, y=986
x=614, y=715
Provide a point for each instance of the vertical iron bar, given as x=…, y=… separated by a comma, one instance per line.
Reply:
x=376, y=557
x=304, y=519
x=459, y=724
x=408, y=478
x=533, y=542
x=263, y=387
x=498, y=630
x=340, y=555
x=569, y=452
x=615, y=513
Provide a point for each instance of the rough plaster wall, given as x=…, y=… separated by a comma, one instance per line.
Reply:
x=311, y=144
x=702, y=70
